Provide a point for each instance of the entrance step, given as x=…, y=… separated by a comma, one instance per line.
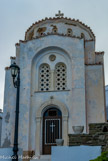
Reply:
x=43, y=158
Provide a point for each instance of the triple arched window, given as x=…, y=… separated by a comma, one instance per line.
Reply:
x=52, y=79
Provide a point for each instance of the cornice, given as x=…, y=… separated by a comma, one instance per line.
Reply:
x=48, y=34
x=7, y=68
x=13, y=57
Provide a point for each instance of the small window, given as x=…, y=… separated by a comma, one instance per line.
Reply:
x=69, y=32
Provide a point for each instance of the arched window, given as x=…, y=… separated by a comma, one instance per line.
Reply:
x=60, y=76
x=44, y=77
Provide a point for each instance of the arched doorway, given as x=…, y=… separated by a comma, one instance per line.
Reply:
x=52, y=128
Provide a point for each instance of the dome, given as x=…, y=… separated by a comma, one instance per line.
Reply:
x=60, y=26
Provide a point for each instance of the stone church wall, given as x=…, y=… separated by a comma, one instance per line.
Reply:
x=76, y=81
x=83, y=98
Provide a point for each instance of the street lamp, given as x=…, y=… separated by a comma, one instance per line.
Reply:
x=15, y=72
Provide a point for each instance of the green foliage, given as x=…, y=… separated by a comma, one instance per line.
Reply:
x=103, y=157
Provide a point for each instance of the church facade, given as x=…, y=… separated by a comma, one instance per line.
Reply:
x=62, y=85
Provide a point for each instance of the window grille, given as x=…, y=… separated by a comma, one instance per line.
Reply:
x=60, y=76
x=44, y=77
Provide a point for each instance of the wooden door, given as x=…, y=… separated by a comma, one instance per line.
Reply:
x=52, y=129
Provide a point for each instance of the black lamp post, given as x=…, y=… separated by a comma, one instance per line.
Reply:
x=15, y=72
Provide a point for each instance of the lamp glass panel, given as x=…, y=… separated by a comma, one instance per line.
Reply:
x=14, y=71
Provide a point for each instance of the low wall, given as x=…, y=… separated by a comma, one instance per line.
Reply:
x=6, y=154
x=98, y=136
x=77, y=153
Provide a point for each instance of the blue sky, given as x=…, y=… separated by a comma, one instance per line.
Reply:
x=17, y=15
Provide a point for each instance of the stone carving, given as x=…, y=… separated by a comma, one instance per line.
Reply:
x=54, y=30
x=82, y=36
x=52, y=97
x=69, y=32
x=52, y=57
x=41, y=30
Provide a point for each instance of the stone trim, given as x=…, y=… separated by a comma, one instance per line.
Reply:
x=13, y=57
x=17, y=44
x=99, y=53
x=39, y=116
x=48, y=34
x=55, y=102
x=94, y=64
x=52, y=91
x=7, y=68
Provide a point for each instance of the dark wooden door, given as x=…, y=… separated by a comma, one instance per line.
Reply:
x=52, y=129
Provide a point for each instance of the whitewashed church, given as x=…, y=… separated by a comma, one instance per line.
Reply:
x=61, y=85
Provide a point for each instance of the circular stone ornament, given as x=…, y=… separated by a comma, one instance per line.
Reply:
x=52, y=57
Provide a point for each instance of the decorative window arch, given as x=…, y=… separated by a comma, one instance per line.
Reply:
x=60, y=76
x=44, y=77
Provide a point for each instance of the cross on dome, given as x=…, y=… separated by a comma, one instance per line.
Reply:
x=59, y=14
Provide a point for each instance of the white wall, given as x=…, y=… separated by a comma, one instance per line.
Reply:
x=75, y=153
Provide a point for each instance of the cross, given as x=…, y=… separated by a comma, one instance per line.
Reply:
x=52, y=126
x=59, y=14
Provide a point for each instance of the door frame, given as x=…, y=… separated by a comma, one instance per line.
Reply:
x=50, y=118
x=39, y=122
